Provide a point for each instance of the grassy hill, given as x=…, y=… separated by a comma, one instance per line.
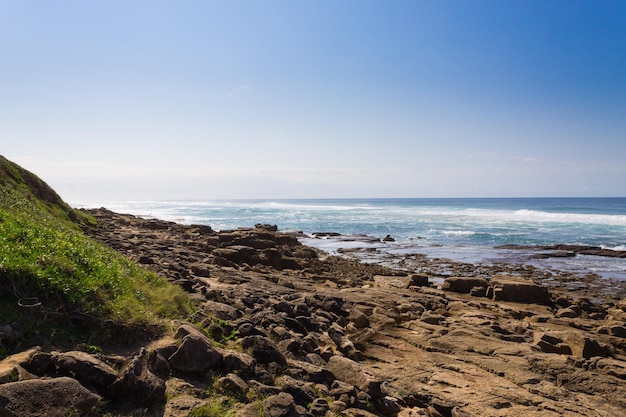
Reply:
x=59, y=286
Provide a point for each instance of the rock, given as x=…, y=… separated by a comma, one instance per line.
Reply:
x=195, y=354
x=353, y=373
x=55, y=397
x=85, y=367
x=263, y=390
x=319, y=407
x=342, y=342
x=237, y=254
x=221, y=311
x=12, y=368
x=463, y=285
x=200, y=270
x=551, y=344
x=584, y=346
x=567, y=313
x=387, y=406
x=618, y=331
x=393, y=281
x=419, y=280
x=239, y=362
x=302, y=393
x=520, y=290
x=136, y=382
x=280, y=405
x=433, y=318
x=310, y=372
x=233, y=384
x=263, y=350
x=359, y=318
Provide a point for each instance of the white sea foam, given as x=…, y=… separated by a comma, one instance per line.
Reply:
x=543, y=216
x=458, y=232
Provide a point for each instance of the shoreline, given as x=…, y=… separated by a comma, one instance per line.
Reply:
x=488, y=342
x=533, y=262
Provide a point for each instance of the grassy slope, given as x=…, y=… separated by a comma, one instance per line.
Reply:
x=81, y=285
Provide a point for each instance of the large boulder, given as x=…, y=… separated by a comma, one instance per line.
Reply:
x=55, y=397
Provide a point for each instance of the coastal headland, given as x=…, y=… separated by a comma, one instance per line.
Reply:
x=281, y=329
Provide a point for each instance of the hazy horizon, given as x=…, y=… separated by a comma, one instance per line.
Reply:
x=165, y=100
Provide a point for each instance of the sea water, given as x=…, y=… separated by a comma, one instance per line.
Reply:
x=466, y=230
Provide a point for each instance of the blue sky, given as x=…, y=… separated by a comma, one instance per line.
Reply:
x=120, y=100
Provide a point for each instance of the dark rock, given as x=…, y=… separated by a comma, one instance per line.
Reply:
x=240, y=362
x=302, y=393
x=263, y=350
x=233, y=384
x=551, y=344
x=319, y=407
x=136, y=382
x=221, y=311
x=85, y=367
x=520, y=290
x=311, y=372
x=359, y=318
x=617, y=331
x=263, y=390
x=195, y=354
x=280, y=405
x=463, y=285
x=419, y=280
x=56, y=397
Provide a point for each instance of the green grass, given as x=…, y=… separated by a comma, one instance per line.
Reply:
x=82, y=286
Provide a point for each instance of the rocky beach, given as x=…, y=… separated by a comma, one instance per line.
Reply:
x=281, y=329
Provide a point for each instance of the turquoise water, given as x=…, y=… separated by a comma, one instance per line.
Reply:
x=463, y=229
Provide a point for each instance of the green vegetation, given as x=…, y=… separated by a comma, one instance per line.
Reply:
x=214, y=409
x=57, y=283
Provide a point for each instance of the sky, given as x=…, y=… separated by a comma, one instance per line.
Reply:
x=207, y=99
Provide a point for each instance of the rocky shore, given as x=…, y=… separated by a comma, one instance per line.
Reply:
x=281, y=329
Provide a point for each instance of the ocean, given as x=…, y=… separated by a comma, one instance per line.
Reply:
x=461, y=229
